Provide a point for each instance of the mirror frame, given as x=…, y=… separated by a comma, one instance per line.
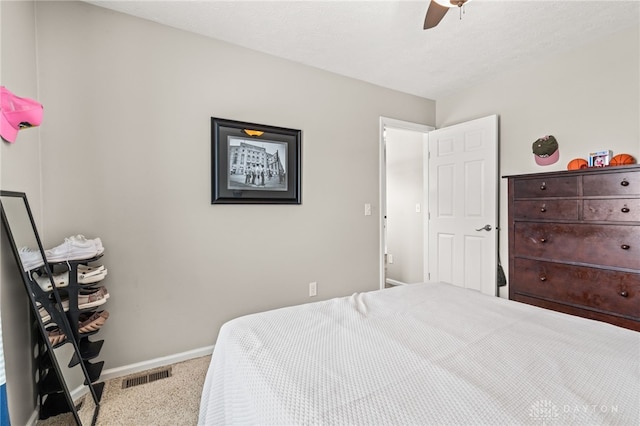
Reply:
x=54, y=307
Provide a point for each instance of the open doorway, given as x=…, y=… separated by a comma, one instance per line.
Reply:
x=403, y=154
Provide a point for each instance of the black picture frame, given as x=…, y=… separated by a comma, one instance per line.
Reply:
x=254, y=163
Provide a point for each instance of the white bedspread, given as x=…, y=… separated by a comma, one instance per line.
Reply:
x=419, y=355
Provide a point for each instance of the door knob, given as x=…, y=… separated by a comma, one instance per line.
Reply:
x=487, y=227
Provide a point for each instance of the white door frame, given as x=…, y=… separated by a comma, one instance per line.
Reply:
x=397, y=124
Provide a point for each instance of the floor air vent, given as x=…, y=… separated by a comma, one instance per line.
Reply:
x=146, y=378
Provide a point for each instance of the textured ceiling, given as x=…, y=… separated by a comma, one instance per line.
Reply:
x=382, y=42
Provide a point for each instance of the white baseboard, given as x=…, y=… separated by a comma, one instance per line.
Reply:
x=394, y=282
x=125, y=370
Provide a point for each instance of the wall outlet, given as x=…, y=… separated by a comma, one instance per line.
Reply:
x=313, y=289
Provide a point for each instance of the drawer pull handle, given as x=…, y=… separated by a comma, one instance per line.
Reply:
x=624, y=294
x=624, y=182
x=543, y=186
x=625, y=247
x=625, y=210
x=543, y=208
x=543, y=278
x=543, y=240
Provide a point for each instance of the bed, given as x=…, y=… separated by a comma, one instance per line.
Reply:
x=421, y=354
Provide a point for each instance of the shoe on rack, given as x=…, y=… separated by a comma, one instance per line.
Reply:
x=30, y=258
x=83, y=279
x=56, y=336
x=91, y=276
x=97, y=242
x=92, y=298
x=89, y=299
x=45, y=316
x=102, y=290
x=92, y=322
x=90, y=270
x=60, y=280
x=73, y=248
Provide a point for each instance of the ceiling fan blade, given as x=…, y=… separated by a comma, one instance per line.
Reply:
x=435, y=13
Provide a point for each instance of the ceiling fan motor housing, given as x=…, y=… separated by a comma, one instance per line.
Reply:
x=438, y=8
x=451, y=3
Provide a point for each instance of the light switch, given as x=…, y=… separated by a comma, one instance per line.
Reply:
x=367, y=209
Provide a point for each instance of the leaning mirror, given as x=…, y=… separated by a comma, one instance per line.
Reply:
x=62, y=380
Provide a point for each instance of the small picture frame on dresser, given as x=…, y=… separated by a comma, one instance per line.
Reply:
x=599, y=158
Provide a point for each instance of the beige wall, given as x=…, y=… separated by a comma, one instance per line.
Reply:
x=127, y=149
x=588, y=99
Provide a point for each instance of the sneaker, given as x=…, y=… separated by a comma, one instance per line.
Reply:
x=88, y=298
x=30, y=258
x=72, y=249
x=92, y=298
x=97, y=242
x=60, y=280
x=92, y=321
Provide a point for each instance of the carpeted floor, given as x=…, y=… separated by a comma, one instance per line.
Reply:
x=174, y=400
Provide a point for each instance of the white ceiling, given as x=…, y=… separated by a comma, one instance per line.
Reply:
x=382, y=42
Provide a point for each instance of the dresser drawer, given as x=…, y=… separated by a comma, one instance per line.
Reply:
x=590, y=288
x=546, y=209
x=608, y=245
x=623, y=210
x=623, y=183
x=566, y=186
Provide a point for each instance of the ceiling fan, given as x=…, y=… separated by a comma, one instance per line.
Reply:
x=438, y=8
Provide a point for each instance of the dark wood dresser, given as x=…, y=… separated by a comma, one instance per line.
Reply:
x=574, y=242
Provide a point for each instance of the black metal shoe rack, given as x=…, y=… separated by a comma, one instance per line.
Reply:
x=51, y=387
x=54, y=395
x=87, y=349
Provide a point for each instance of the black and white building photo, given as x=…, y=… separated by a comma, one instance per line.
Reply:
x=257, y=165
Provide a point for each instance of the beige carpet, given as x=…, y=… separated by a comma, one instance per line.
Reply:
x=170, y=401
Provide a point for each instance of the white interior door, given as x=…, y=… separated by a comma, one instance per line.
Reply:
x=463, y=204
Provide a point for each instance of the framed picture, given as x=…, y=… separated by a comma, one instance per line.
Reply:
x=599, y=158
x=254, y=163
